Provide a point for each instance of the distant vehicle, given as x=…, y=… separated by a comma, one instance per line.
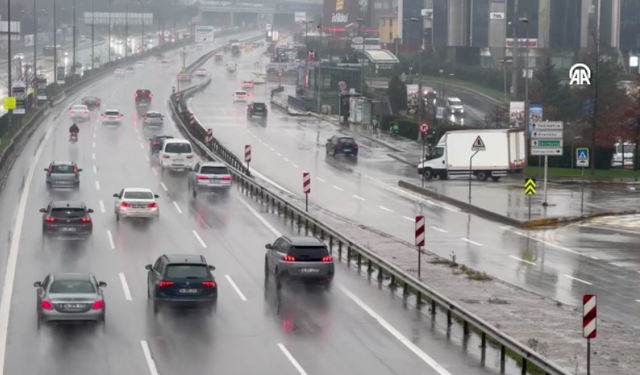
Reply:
x=70, y=297
x=140, y=64
x=233, y=41
x=231, y=67
x=247, y=84
x=176, y=154
x=83, y=39
x=455, y=106
x=119, y=73
x=112, y=117
x=79, y=112
x=19, y=56
x=143, y=97
x=341, y=145
x=218, y=58
x=91, y=101
x=256, y=109
x=209, y=177
x=62, y=174
x=184, y=77
x=136, y=203
x=156, y=143
x=504, y=154
x=49, y=52
x=202, y=72
x=240, y=96
x=130, y=70
x=235, y=49
x=299, y=259
x=164, y=63
x=152, y=118
x=67, y=219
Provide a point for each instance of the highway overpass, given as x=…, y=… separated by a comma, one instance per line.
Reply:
x=235, y=13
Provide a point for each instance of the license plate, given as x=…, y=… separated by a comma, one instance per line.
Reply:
x=73, y=306
x=69, y=229
x=138, y=206
x=64, y=182
x=188, y=291
x=347, y=149
x=308, y=270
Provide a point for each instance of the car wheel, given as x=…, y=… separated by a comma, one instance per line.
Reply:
x=327, y=286
x=38, y=319
x=117, y=217
x=155, y=307
x=76, y=187
x=333, y=152
x=48, y=186
x=266, y=268
x=195, y=192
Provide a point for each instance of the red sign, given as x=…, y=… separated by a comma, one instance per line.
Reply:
x=420, y=231
x=247, y=153
x=424, y=128
x=589, y=316
x=306, y=182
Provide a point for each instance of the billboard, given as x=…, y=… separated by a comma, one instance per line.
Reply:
x=341, y=13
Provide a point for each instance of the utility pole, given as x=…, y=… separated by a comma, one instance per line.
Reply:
x=319, y=79
x=527, y=110
x=35, y=42
x=9, y=59
x=93, y=35
x=514, y=53
x=361, y=33
x=73, y=67
x=592, y=165
x=55, y=45
x=109, y=42
x=126, y=31
x=144, y=41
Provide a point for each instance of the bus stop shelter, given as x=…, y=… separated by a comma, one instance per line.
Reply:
x=381, y=60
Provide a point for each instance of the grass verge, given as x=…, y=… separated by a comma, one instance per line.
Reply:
x=576, y=172
x=497, y=95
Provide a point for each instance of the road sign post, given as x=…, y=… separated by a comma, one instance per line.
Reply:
x=424, y=129
x=306, y=189
x=546, y=140
x=247, y=155
x=589, y=324
x=419, y=240
x=582, y=161
x=529, y=190
x=477, y=146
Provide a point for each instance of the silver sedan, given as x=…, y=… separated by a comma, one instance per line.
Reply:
x=70, y=298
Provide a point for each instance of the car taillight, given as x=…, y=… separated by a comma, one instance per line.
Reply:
x=189, y=156
x=73, y=135
x=165, y=284
x=97, y=305
x=46, y=305
x=327, y=258
x=288, y=258
x=135, y=95
x=226, y=178
x=145, y=118
x=336, y=145
x=74, y=169
x=118, y=117
x=152, y=205
x=85, y=112
x=85, y=219
x=97, y=103
x=50, y=170
x=49, y=219
x=201, y=177
x=156, y=143
x=104, y=116
x=72, y=111
x=355, y=145
x=150, y=96
x=209, y=284
x=165, y=156
x=124, y=204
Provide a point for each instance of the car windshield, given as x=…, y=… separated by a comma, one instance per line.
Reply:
x=259, y=105
x=138, y=195
x=187, y=271
x=455, y=102
x=208, y=169
x=91, y=99
x=347, y=140
x=72, y=287
x=112, y=113
x=308, y=251
x=62, y=168
x=178, y=148
x=68, y=213
x=153, y=114
x=79, y=107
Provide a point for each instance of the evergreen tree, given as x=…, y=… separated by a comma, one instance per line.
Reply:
x=558, y=103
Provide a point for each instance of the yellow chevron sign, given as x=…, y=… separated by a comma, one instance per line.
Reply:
x=530, y=186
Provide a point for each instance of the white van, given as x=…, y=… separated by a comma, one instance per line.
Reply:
x=176, y=154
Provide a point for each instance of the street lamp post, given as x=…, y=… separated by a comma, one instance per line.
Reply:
x=143, y=41
x=361, y=33
x=319, y=75
x=73, y=66
x=109, y=42
x=514, y=54
x=55, y=45
x=93, y=10
x=126, y=31
x=527, y=115
x=35, y=38
x=420, y=98
x=9, y=58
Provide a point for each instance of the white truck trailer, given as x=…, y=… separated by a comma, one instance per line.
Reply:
x=504, y=154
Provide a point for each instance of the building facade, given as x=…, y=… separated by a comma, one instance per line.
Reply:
x=388, y=28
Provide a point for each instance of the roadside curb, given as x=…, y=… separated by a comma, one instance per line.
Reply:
x=542, y=222
x=280, y=104
x=594, y=182
x=402, y=160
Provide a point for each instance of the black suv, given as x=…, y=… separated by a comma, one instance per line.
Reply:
x=143, y=97
x=155, y=143
x=301, y=259
x=256, y=109
x=67, y=219
x=181, y=280
x=341, y=145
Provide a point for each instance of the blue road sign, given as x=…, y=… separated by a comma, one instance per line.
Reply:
x=582, y=157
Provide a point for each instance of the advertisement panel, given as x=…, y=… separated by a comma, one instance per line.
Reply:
x=41, y=87
x=340, y=13
x=20, y=93
x=516, y=114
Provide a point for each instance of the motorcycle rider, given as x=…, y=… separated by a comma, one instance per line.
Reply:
x=394, y=129
x=74, y=129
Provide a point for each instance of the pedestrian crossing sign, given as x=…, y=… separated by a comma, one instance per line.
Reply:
x=582, y=157
x=530, y=186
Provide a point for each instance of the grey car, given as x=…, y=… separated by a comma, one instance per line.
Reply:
x=153, y=118
x=209, y=177
x=70, y=298
x=299, y=259
x=63, y=174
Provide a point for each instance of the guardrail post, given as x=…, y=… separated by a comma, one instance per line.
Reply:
x=465, y=329
x=339, y=249
x=313, y=230
x=278, y=208
x=359, y=261
x=449, y=323
x=369, y=269
x=348, y=255
x=322, y=234
x=306, y=227
x=483, y=348
x=524, y=366
x=503, y=355
x=434, y=308
x=405, y=289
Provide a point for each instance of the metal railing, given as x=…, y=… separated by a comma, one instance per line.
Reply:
x=364, y=259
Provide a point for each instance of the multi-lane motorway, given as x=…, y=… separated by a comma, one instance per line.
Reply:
x=355, y=328
x=364, y=191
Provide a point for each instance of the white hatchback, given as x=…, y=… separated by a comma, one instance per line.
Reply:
x=176, y=154
x=112, y=117
x=240, y=96
x=136, y=202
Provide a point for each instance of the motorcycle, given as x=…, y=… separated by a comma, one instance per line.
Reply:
x=73, y=137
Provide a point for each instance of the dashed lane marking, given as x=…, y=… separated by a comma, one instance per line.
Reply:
x=439, y=230
x=110, y=236
x=319, y=179
x=95, y=169
x=97, y=185
x=125, y=287
x=385, y=209
x=235, y=287
x=102, y=206
x=164, y=186
x=337, y=188
x=199, y=239
x=471, y=242
x=175, y=204
x=358, y=197
x=522, y=260
x=578, y=280
x=149, y=358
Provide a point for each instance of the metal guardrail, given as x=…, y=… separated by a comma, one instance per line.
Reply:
x=364, y=258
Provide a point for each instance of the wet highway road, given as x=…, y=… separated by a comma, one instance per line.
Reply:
x=365, y=191
x=352, y=329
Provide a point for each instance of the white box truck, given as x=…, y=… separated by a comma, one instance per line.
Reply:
x=504, y=153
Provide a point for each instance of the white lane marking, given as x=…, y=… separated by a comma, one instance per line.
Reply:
x=149, y=358
x=337, y=188
x=97, y=185
x=292, y=359
x=154, y=171
x=279, y=154
x=12, y=260
x=638, y=300
x=141, y=146
x=295, y=166
x=272, y=149
x=199, y=239
x=357, y=197
x=264, y=143
x=102, y=206
x=94, y=134
x=164, y=186
x=576, y=279
x=93, y=156
x=139, y=137
x=552, y=244
x=522, y=260
x=506, y=227
x=395, y=333
x=235, y=287
x=260, y=218
x=125, y=287
x=385, y=209
x=147, y=157
x=439, y=229
x=285, y=159
x=95, y=169
x=471, y=242
x=412, y=219
x=111, y=243
x=94, y=145
x=177, y=207
x=319, y=179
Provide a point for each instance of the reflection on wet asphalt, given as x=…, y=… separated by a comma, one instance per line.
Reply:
x=364, y=190
x=254, y=327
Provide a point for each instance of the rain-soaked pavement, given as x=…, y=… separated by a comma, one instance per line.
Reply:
x=361, y=197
